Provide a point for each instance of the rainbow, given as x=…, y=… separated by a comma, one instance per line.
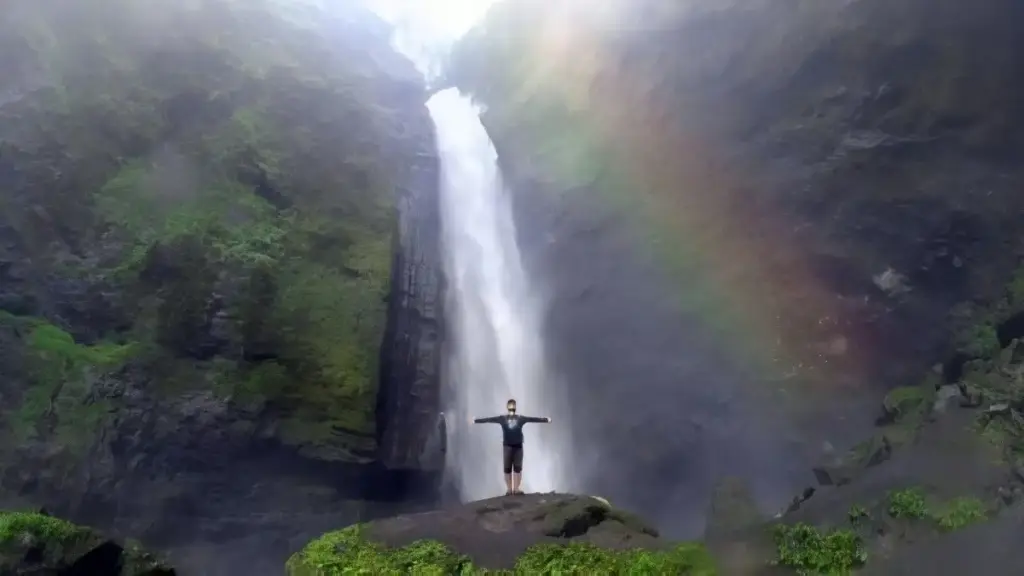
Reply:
x=742, y=268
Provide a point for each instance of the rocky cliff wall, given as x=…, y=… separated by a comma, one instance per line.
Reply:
x=201, y=205
x=409, y=398
x=753, y=218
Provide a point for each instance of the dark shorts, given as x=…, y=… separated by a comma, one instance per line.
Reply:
x=513, y=459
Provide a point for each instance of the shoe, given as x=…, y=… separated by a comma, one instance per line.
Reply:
x=509, y=492
x=519, y=493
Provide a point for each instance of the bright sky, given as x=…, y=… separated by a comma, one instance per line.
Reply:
x=435, y=21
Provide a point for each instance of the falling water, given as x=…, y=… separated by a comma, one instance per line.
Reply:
x=494, y=339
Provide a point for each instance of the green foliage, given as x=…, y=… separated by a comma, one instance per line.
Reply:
x=13, y=525
x=40, y=544
x=347, y=552
x=857, y=513
x=811, y=552
x=979, y=341
x=160, y=204
x=60, y=398
x=584, y=559
x=909, y=503
x=959, y=513
x=206, y=162
x=907, y=402
x=315, y=282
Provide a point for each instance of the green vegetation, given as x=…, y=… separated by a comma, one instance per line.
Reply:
x=974, y=326
x=61, y=374
x=909, y=503
x=811, y=552
x=912, y=504
x=13, y=525
x=857, y=513
x=959, y=513
x=348, y=552
x=979, y=341
x=40, y=544
x=224, y=175
x=904, y=403
x=585, y=559
x=993, y=376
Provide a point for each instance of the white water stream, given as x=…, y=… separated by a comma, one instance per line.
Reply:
x=494, y=339
x=496, y=351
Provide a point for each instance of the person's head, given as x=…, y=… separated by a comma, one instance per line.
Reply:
x=511, y=405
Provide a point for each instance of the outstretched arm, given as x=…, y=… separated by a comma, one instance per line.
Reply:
x=489, y=420
x=536, y=419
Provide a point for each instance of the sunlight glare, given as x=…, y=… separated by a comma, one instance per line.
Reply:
x=442, y=21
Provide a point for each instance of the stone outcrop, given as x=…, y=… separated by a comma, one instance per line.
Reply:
x=532, y=534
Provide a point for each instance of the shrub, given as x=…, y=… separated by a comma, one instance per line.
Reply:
x=959, y=513
x=811, y=552
x=346, y=552
x=909, y=503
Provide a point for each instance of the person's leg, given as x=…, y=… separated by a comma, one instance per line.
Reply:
x=517, y=470
x=507, y=457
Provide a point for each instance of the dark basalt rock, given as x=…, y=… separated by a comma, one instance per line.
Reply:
x=408, y=402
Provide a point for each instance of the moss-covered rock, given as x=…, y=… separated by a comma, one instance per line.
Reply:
x=907, y=405
x=526, y=545
x=36, y=543
x=220, y=181
x=846, y=467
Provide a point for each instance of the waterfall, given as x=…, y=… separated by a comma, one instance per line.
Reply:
x=495, y=344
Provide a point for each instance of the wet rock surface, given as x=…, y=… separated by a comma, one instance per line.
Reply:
x=409, y=398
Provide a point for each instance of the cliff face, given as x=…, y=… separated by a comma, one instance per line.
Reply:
x=409, y=402
x=198, y=207
x=753, y=218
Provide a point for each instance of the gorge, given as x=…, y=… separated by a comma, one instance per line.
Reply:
x=228, y=292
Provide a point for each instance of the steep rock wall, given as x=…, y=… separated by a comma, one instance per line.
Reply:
x=197, y=232
x=409, y=398
x=752, y=218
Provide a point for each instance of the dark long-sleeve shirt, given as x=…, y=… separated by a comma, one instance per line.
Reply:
x=511, y=426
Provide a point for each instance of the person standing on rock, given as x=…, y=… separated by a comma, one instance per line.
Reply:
x=512, y=443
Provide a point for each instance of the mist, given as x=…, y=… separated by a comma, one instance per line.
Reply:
x=251, y=251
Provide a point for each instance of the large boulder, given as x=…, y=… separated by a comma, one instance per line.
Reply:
x=532, y=534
